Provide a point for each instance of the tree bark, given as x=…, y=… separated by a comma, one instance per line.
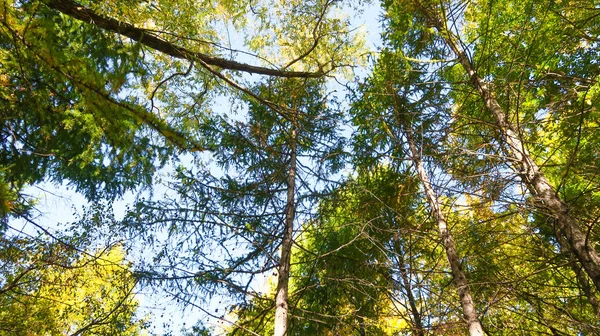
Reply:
x=281, y=297
x=523, y=164
x=469, y=311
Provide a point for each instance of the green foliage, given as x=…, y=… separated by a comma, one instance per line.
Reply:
x=223, y=230
x=105, y=112
x=59, y=120
x=357, y=265
x=51, y=289
x=517, y=275
x=343, y=279
x=521, y=279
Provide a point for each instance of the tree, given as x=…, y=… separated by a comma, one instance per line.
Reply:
x=224, y=231
x=60, y=118
x=495, y=105
x=385, y=97
x=52, y=289
x=346, y=281
x=456, y=135
x=566, y=228
x=102, y=94
x=451, y=252
x=108, y=91
x=342, y=280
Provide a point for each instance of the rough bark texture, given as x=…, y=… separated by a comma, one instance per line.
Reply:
x=150, y=40
x=469, y=311
x=523, y=164
x=281, y=297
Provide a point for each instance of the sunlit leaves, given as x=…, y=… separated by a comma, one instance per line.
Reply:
x=57, y=120
x=51, y=289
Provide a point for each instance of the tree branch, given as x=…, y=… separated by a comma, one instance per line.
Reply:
x=150, y=40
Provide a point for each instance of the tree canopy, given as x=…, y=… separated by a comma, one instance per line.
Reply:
x=450, y=189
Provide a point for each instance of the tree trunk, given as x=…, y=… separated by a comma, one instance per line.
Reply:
x=281, y=298
x=524, y=165
x=469, y=311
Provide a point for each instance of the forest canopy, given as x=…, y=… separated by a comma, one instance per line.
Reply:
x=288, y=180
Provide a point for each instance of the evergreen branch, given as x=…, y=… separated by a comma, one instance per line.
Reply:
x=147, y=38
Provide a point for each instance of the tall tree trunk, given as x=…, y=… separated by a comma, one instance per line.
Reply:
x=469, y=311
x=281, y=297
x=522, y=162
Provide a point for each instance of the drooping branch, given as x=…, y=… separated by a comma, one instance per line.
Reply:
x=150, y=40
